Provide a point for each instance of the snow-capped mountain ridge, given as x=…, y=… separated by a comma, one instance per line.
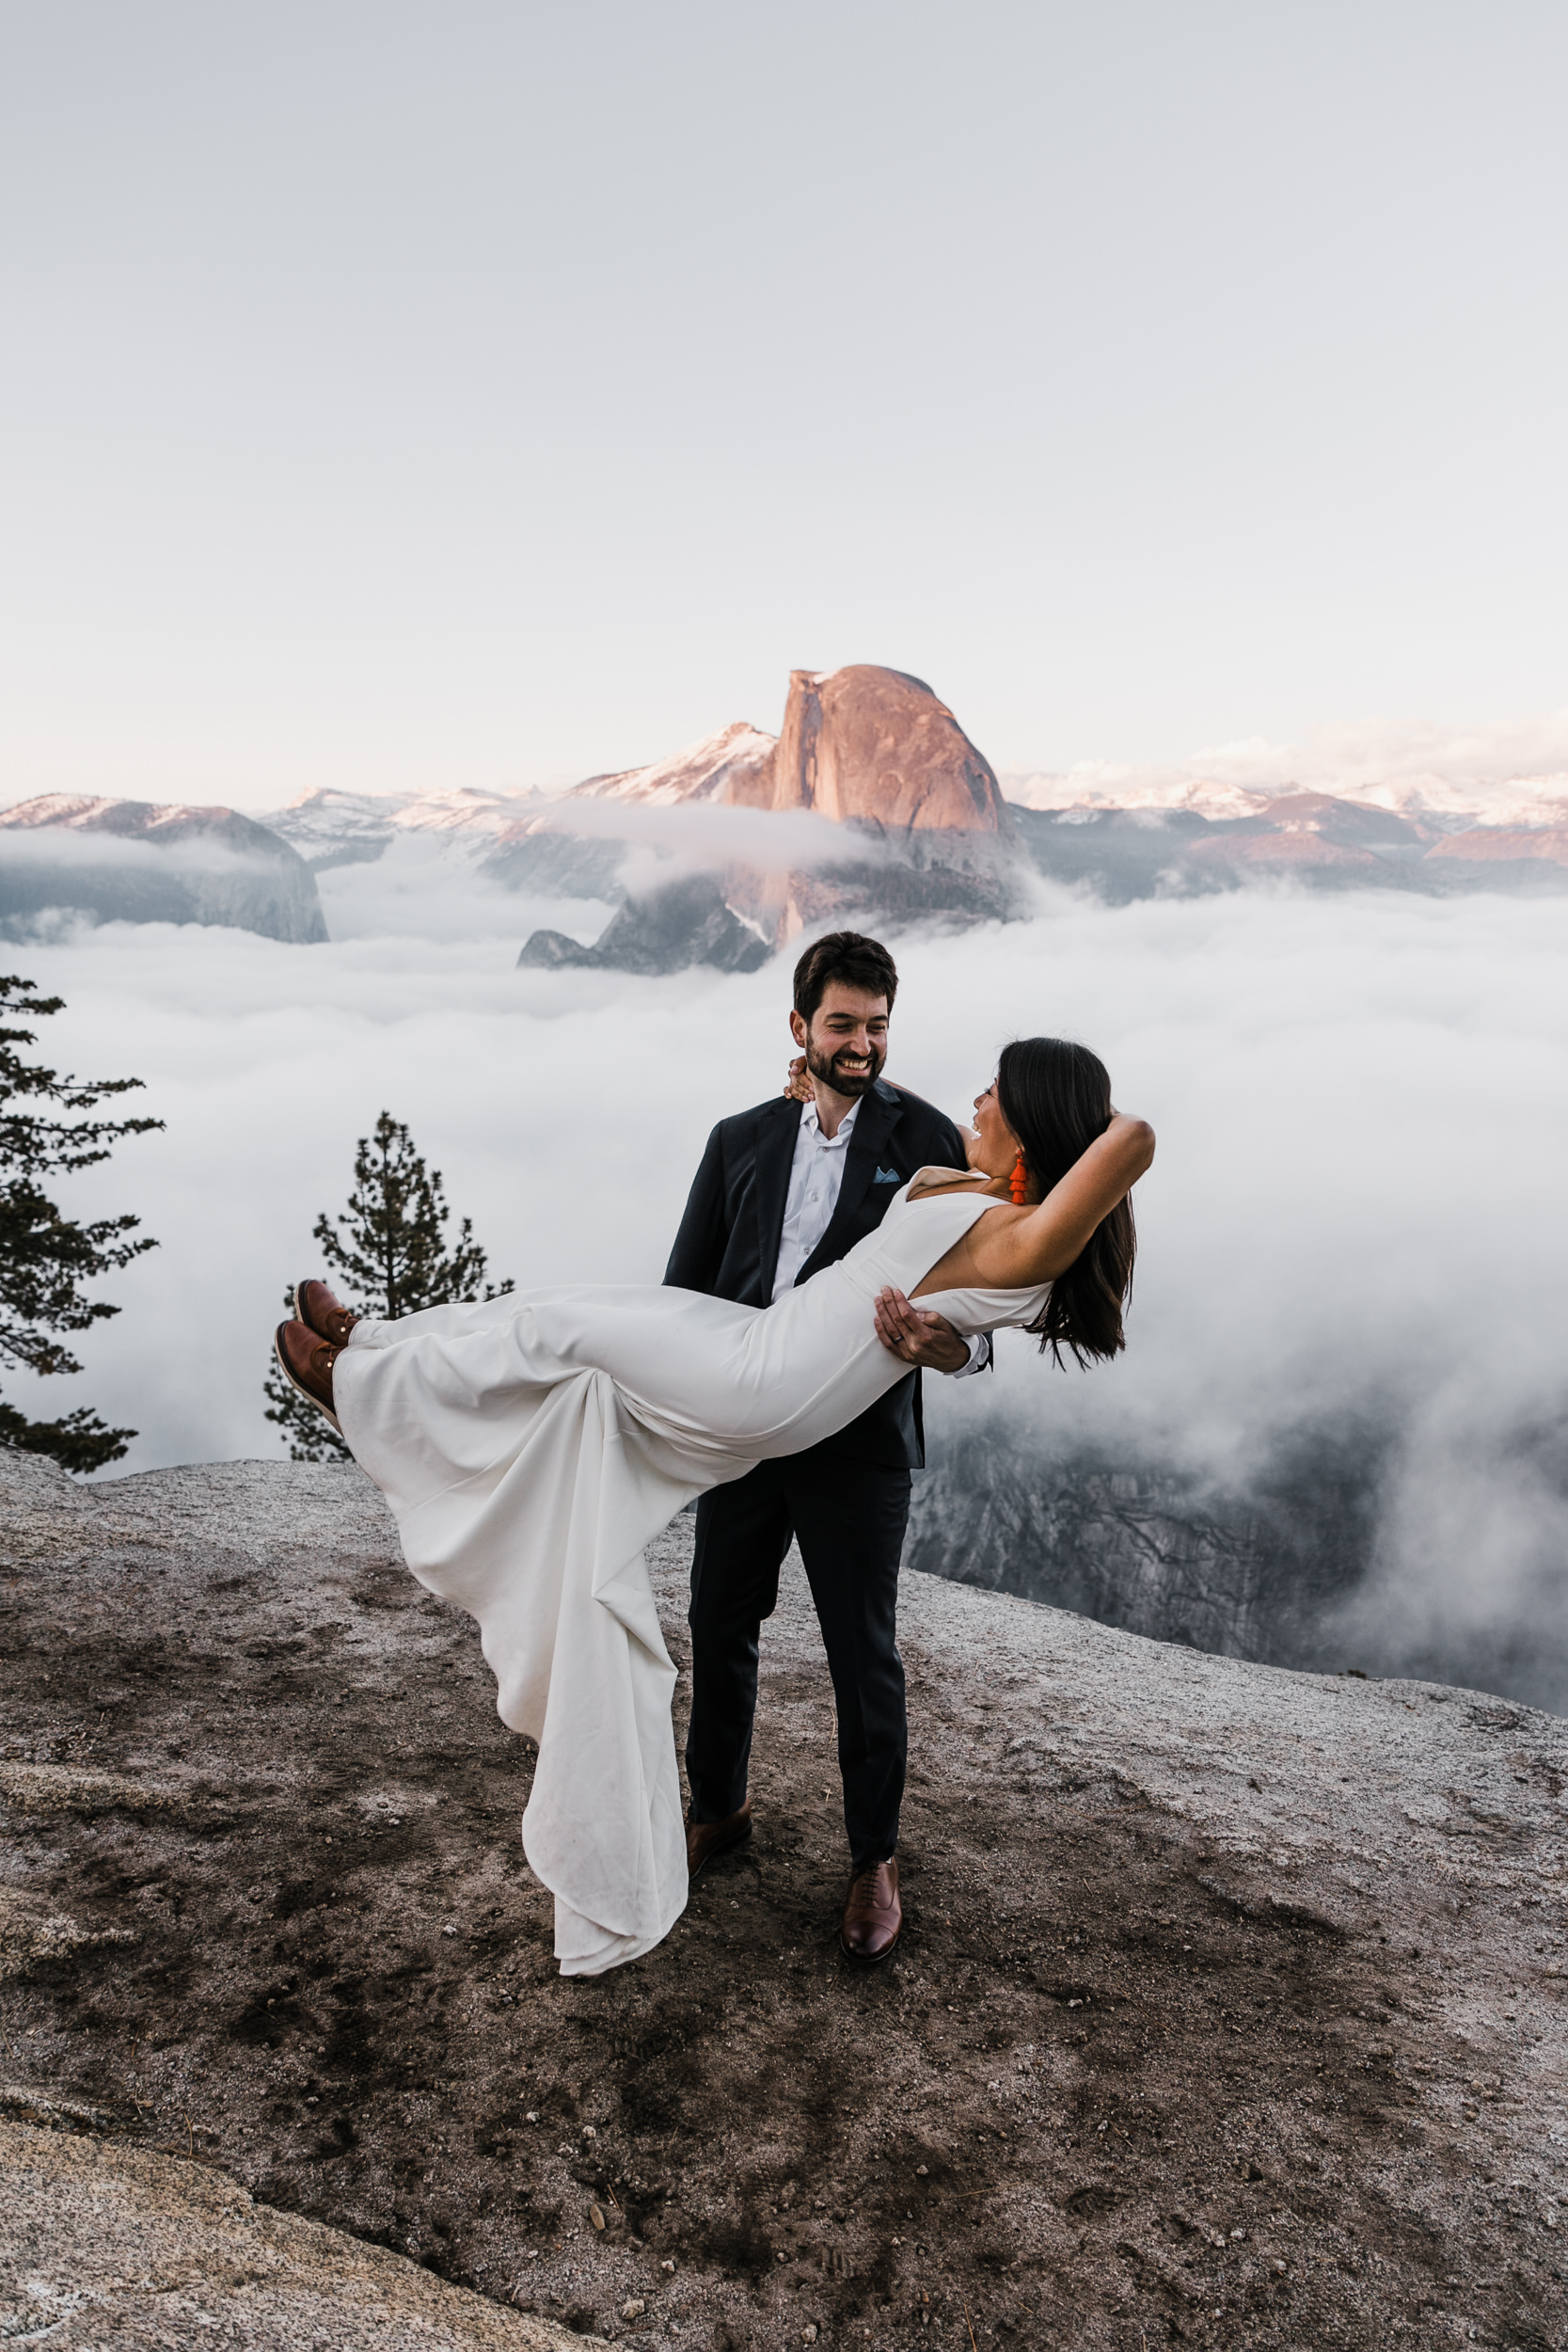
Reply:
x=1512, y=774
x=708, y=769
x=871, y=807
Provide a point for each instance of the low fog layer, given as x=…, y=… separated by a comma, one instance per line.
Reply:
x=414, y=892
x=1355, y=1221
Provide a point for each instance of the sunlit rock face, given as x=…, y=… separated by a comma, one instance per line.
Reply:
x=872, y=746
x=873, y=750
x=862, y=745
x=139, y=862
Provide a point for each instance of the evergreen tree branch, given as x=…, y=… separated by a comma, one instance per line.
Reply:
x=45, y=1257
x=78, y=1442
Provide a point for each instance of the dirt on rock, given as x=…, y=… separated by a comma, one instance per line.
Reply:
x=1229, y=2008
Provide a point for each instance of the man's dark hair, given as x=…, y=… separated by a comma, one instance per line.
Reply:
x=847, y=956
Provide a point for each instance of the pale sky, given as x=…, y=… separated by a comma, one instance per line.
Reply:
x=481, y=394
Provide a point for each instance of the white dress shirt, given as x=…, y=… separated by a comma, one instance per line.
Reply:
x=815, y=1180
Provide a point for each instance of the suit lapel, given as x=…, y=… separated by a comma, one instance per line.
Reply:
x=776, y=1132
x=879, y=1113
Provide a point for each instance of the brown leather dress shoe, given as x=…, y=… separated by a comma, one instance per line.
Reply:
x=307, y=1363
x=703, y=1839
x=327, y=1316
x=873, y=1914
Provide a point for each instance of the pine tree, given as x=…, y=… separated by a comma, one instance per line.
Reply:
x=389, y=1254
x=46, y=1258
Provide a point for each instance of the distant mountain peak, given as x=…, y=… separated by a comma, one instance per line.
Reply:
x=85, y=812
x=876, y=746
x=863, y=744
x=151, y=862
x=718, y=768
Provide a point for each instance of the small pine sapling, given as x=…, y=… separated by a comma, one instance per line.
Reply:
x=389, y=1252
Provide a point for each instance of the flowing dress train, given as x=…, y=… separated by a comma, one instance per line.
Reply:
x=532, y=1446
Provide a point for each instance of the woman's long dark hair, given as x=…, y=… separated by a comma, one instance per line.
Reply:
x=1057, y=1099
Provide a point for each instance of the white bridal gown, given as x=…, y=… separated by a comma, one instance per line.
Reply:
x=531, y=1446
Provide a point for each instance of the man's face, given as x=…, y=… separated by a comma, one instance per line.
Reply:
x=846, y=1044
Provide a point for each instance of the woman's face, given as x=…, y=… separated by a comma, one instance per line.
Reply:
x=993, y=1145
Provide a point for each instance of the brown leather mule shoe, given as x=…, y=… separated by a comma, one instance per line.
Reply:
x=327, y=1316
x=307, y=1363
x=703, y=1839
x=873, y=1915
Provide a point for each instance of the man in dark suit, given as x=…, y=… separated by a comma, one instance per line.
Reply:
x=783, y=1190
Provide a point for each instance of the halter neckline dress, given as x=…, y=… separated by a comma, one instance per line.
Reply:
x=532, y=1446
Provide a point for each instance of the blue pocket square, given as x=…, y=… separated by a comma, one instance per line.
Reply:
x=887, y=1176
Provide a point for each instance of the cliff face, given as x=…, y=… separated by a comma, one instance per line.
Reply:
x=1222, y=1989
x=138, y=862
x=1287, y=1569
x=1263, y=1575
x=690, y=921
x=873, y=746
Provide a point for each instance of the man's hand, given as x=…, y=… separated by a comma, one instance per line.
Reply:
x=918, y=1338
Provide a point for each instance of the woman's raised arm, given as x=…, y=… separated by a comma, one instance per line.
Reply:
x=1016, y=1253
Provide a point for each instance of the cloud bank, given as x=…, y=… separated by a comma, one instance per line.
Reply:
x=1356, y=1213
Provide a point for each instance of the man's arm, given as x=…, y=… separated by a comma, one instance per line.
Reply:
x=917, y=1336
x=699, y=1249
x=927, y=1341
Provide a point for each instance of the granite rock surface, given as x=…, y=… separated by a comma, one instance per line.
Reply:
x=1230, y=2008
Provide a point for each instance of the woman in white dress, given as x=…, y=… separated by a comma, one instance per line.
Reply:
x=531, y=1446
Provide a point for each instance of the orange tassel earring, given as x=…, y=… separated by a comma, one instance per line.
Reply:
x=1021, y=1179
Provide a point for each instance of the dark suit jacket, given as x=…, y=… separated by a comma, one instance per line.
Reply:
x=728, y=1243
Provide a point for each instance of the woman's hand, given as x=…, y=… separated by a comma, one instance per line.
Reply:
x=915, y=1336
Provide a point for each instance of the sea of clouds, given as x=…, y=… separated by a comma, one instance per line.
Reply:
x=1356, y=1213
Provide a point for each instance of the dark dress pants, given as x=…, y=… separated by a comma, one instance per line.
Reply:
x=850, y=1518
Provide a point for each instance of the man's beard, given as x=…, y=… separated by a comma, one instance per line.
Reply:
x=824, y=1068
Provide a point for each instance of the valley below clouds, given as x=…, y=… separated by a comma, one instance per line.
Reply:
x=1338, y=1438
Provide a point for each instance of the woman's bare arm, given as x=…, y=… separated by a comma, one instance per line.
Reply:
x=1018, y=1248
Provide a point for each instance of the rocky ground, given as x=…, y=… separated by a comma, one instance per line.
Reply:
x=114, y=2248
x=1230, y=2012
